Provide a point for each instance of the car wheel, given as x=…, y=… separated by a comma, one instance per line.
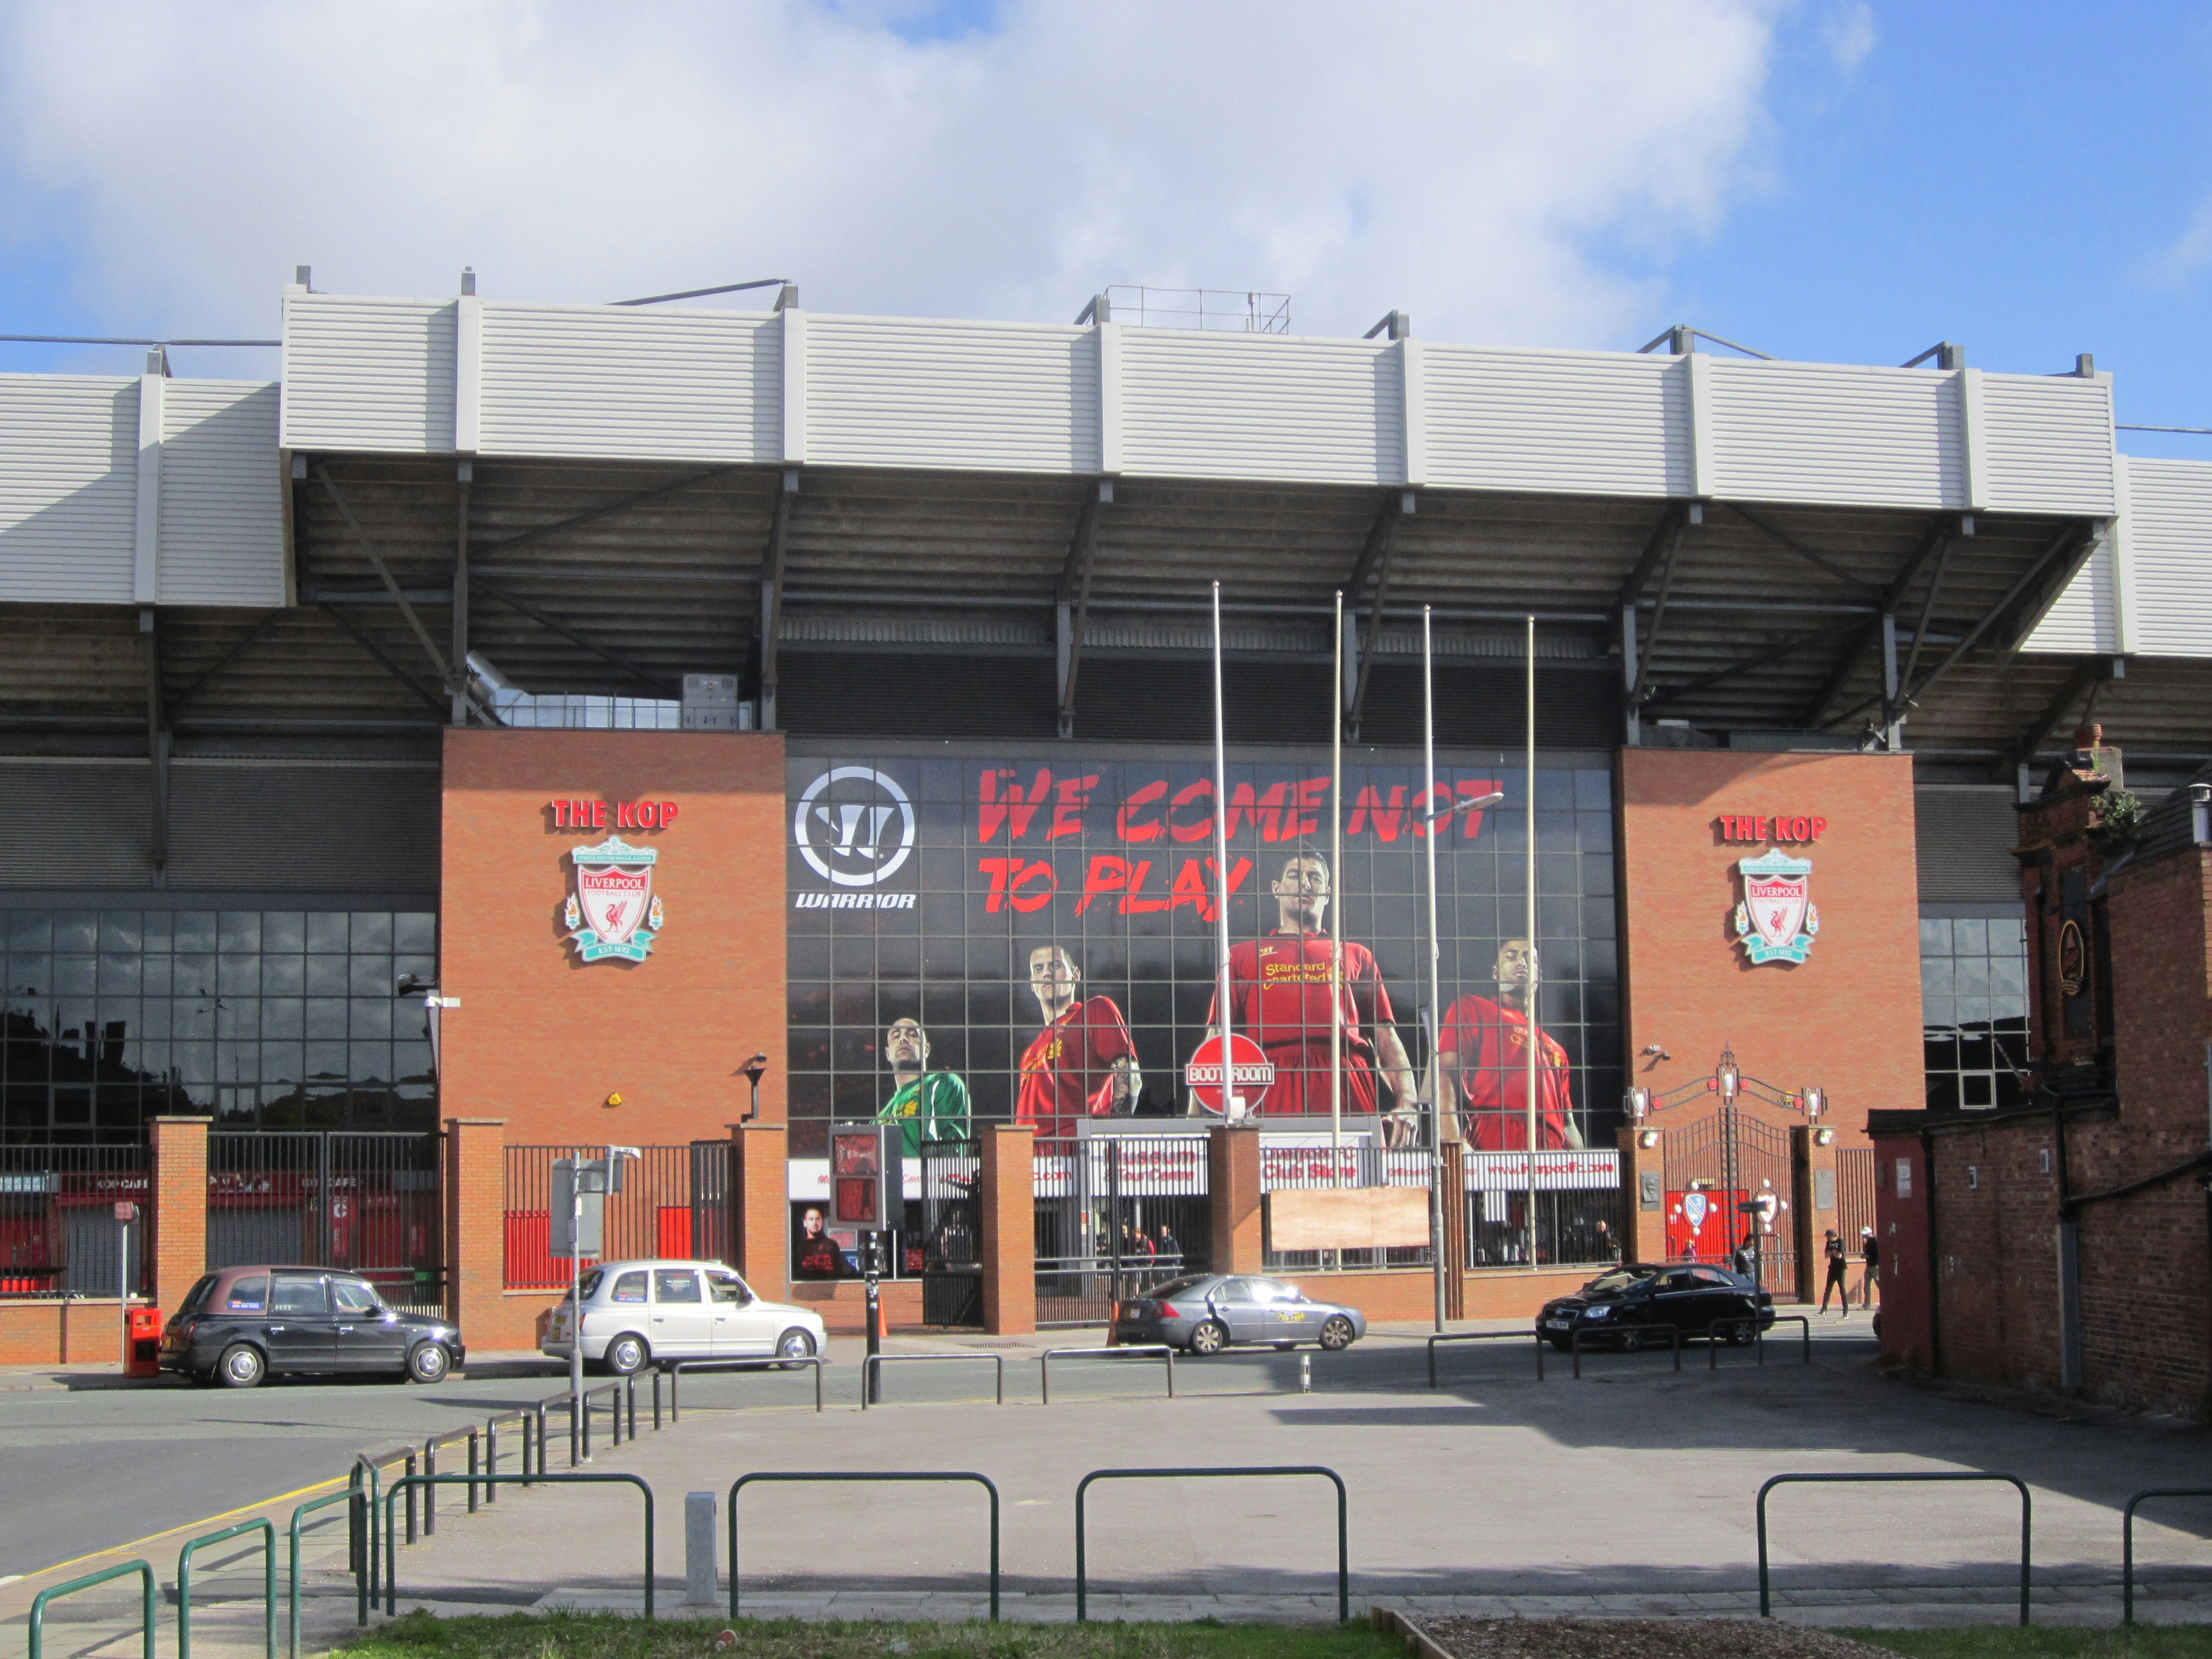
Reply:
x=1632, y=1341
x=1211, y=1336
x=1740, y=1333
x=795, y=1344
x=625, y=1354
x=1336, y=1334
x=428, y=1362
x=241, y=1366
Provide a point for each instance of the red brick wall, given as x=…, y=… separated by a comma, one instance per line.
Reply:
x=179, y=1189
x=762, y=1232
x=475, y=1178
x=1009, y=1210
x=1232, y=1172
x=1996, y=1305
x=1848, y=1018
x=541, y=1039
x=81, y=1333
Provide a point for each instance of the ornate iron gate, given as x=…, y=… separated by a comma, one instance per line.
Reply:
x=952, y=1234
x=1712, y=1166
x=1115, y=1215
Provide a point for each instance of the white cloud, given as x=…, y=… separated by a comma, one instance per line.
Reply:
x=1849, y=31
x=2175, y=268
x=1460, y=162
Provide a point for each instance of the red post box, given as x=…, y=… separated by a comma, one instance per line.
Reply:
x=144, y=1353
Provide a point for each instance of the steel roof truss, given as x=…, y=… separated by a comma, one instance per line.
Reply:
x=238, y=650
x=383, y=656
x=1071, y=600
x=551, y=625
x=1666, y=694
x=771, y=594
x=1821, y=559
x=608, y=509
x=1385, y=557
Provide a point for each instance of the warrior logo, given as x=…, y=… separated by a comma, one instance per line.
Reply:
x=854, y=826
x=613, y=913
x=1776, y=920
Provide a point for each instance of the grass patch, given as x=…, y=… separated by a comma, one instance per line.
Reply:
x=2045, y=1641
x=612, y=1636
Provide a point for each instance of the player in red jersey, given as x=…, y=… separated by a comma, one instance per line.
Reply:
x=1278, y=988
x=1084, y=1063
x=1483, y=1052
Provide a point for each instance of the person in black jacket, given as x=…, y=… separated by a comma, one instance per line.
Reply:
x=1871, y=1246
x=1835, y=1284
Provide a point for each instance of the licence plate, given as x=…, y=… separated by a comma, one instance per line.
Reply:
x=1558, y=1324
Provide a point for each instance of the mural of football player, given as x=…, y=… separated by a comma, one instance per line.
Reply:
x=1279, y=989
x=1083, y=1062
x=928, y=1105
x=1483, y=1053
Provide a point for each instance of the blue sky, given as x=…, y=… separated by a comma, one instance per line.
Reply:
x=1828, y=180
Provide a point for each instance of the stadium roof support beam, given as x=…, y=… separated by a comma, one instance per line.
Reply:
x=244, y=643
x=157, y=744
x=1668, y=694
x=1071, y=608
x=1659, y=546
x=771, y=594
x=2090, y=676
x=1937, y=540
x=552, y=625
x=1782, y=538
x=384, y=658
x=604, y=510
x=464, y=476
x=1639, y=689
x=1377, y=556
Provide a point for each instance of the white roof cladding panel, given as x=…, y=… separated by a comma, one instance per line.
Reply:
x=900, y=392
x=2169, y=525
x=69, y=487
x=1816, y=432
x=222, y=500
x=1261, y=406
x=2048, y=444
x=2086, y=616
x=631, y=383
x=1577, y=423
x=368, y=374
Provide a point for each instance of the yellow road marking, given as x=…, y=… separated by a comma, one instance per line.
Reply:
x=139, y=1543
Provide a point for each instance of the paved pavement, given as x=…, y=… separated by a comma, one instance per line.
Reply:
x=1628, y=1493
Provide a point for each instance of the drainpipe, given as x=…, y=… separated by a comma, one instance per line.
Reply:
x=2069, y=1265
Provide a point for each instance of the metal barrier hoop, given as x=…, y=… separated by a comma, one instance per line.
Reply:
x=1132, y=1350
x=1480, y=1336
x=2128, y=1540
x=880, y=1360
x=676, y=1367
x=569, y=1477
x=145, y=1571
x=267, y=1529
x=1673, y=1340
x=2027, y=1515
x=351, y=1495
x=790, y=1476
x=1343, y=1545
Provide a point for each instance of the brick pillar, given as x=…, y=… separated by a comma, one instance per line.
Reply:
x=177, y=1188
x=1008, y=1206
x=475, y=1180
x=1643, y=1198
x=760, y=1207
x=1812, y=1174
x=1455, y=1183
x=1232, y=1185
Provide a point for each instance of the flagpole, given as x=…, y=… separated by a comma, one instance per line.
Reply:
x=1436, y=986
x=1228, y=1096
x=1336, y=922
x=1536, y=976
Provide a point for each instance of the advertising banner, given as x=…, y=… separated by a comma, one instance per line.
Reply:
x=980, y=935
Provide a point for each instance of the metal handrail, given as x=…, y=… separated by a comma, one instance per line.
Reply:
x=1786, y=1319
x=569, y=1478
x=867, y=1378
x=145, y=1571
x=676, y=1368
x=1481, y=1336
x=267, y=1529
x=1133, y=1351
x=805, y=1475
x=1343, y=1535
x=351, y=1495
x=2128, y=1540
x=2027, y=1516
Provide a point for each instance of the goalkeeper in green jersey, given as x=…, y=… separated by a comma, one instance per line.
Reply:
x=928, y=1105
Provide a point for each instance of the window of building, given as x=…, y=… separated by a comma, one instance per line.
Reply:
x=266, y=1019
x=1973, y=1009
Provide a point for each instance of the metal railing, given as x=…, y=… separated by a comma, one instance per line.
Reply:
x=1136, y=1350
x=1343, y=1531
x=2128, y=1540
x=1759, y=1340
x=676, y=1369
x=1480, y=1336
x=673, y=1204
x=1632, y=1342
x=574, y=1477
x=366, y=1202
x=145, y=1572
x=871, y=1378
x=352, y=1496
x=267, y=1529
x=801, y=1476
x=2027, y=1516
x=62, y=1238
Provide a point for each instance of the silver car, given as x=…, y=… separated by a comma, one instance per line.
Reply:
x=636, y=1313
x=1207, y=1312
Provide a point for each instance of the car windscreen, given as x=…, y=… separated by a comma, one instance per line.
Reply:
x=1613, y=1284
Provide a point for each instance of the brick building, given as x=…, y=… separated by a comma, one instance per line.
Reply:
x=2064, y=1242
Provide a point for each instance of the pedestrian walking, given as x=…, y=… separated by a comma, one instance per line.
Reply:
x=1835, y=1284
x=1871, y=1247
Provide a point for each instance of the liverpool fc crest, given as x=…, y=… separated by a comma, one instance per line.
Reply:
x=612, y=911
x=1776, y=920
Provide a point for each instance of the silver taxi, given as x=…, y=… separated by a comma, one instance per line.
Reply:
x=638, y=1313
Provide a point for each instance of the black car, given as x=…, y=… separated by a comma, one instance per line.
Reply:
x=1620, y=1309
x=240, y=1324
